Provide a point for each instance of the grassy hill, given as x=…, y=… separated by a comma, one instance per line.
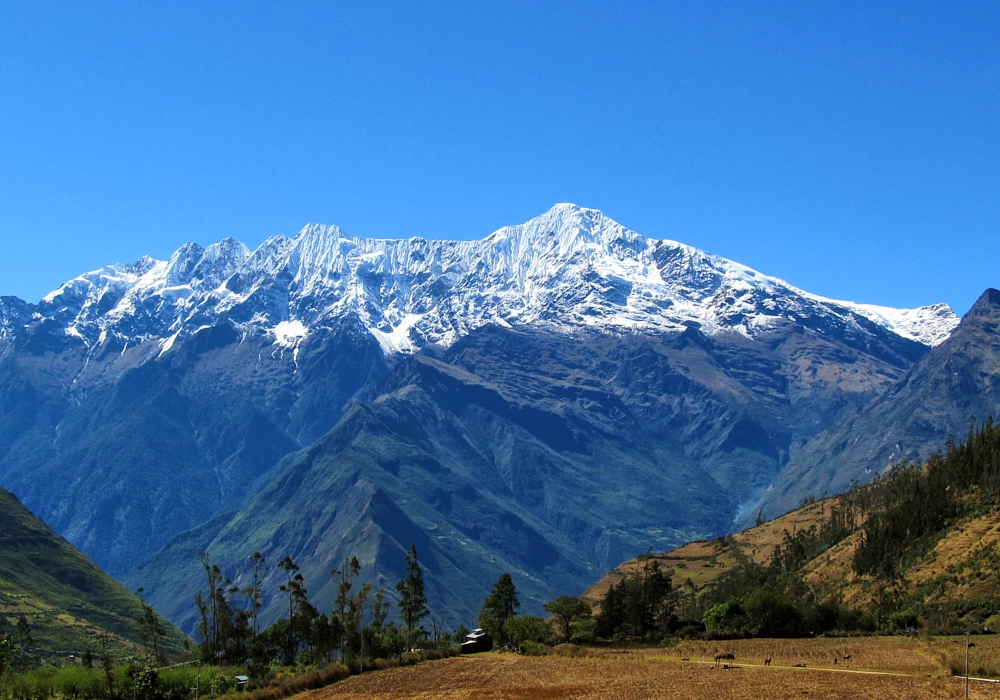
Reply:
x=703, y=561
x=923, y=540
x=66, y=598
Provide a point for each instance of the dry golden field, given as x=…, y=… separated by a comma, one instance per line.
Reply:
x=888, y=668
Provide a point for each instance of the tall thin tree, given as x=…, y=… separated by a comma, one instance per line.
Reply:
x=412, y=601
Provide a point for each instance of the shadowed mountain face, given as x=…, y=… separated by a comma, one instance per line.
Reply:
x=120, y=449
x=550, y=457
x=934, y=401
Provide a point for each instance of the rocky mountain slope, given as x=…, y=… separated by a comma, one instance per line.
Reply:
x=67, y=600
x=566, y=379
x=934, y=401
x=525, y=452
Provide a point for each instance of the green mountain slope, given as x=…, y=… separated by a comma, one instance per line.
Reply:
x=66, y=598
x=120, y=448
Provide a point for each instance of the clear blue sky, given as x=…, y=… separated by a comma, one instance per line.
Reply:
x=852, y=149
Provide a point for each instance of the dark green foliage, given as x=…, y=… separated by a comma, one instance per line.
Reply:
x=641, y=606
x=225, y=630
x=500, y=606
x=459, y=635
x=909, y=509
x=152, y=632
x=253, y=592
x=306, y=636
x=526, y=628
x=9, y=651
x=805, y=545
x=772, y=614
x=350, y=607
x=567, y=610
x=755, y=600
x=301, y=612
x=900, y=517
x=904, y=620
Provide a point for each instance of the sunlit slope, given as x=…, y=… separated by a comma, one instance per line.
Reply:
x=962, y=568
x=66, y=598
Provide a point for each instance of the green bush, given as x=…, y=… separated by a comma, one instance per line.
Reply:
x=78, y=683
x=584, y=631
x=529, y=648
x=527, y=628
x=32, y=685
x=728, y=618
x=771, y=614
x=903, y=620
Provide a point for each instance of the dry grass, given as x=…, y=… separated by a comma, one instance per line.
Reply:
x=890, y=654
x=984, y=659
x=952, y=571
x=283, y=687
x=704, y=561
x=630, y=676
x=954, y=557
x=759, y=542
x=955, y=570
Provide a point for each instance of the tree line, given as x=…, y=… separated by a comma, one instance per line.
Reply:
x=355, y=629
x=897, y=519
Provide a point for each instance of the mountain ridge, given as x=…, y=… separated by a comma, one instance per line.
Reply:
x=527, y=380
x=570, y=267
x=932, y=402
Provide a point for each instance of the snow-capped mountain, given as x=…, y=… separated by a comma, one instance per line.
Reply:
x=545, y=401
x=568, y=269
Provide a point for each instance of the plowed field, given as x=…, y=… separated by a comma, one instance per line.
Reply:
x=630, y=676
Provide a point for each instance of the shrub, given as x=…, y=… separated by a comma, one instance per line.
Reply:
x=903, y=620
x=529, y=648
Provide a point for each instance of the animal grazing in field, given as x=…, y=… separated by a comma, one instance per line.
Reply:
x=728, y=656
x=847, y=657
x=835, y=660
x=767, y=660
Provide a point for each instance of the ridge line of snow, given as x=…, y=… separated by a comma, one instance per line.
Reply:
x=570, y=267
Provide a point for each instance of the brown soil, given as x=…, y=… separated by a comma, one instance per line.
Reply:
x=913, y=670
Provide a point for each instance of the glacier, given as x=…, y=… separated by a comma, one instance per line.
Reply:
x=570, y=268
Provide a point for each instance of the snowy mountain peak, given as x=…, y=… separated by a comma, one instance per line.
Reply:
x=567, y=269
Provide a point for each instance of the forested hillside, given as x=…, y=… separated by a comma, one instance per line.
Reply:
x=917, y=548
